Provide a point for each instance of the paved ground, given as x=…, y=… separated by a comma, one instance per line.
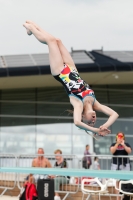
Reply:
x=8, y=198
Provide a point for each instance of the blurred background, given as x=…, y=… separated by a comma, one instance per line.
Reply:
x=99, y=36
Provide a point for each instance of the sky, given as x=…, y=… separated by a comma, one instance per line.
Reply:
x=80, y=24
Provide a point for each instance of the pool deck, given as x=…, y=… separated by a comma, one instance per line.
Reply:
x=5, y=197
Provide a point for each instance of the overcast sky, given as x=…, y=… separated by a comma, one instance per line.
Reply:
x=81, y=24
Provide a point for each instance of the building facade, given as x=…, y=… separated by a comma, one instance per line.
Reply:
x=33, y=106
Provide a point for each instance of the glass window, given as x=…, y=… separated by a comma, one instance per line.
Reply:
x=55, y=136
x=33, y=118
x=18, y=139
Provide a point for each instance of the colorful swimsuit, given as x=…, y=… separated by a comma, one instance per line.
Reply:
x=74, y=85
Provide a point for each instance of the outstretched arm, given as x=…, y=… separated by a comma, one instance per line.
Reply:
x=108, y=111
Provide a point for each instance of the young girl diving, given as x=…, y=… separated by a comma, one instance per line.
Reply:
x=80, y=94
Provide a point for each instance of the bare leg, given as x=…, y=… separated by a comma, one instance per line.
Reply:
x=56, y=194
x=116, y=191
x=55, y=58
x=64, y=52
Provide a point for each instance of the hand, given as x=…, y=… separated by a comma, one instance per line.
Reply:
x=103, y=127
x=122, y=143
x=103, y=131
x=118, y=141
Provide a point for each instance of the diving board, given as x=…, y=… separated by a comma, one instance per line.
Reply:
x=125, y=175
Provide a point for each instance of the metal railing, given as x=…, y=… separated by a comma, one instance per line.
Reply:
x=108, y=162
x=65, y=184
x=9, y=180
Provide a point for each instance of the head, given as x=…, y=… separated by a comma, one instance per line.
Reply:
x=87, y=147
x=58, y=154
x=96, y=159
x=89, y=117
x=120, y=136
x=40, y=152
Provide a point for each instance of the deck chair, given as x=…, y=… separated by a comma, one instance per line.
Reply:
x=103, y=191
x=127, y=190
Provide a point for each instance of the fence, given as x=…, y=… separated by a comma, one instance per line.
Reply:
x=107, y=162
x=72, y=162
x=9, y=180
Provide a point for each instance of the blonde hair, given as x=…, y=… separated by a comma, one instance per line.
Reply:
x=57, y=150
x=70, y=112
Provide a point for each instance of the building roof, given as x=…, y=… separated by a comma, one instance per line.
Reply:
x=96, y=67
x=86, y=61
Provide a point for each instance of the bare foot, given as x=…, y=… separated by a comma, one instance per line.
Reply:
x=30, y=22
x=29, y=32
x=34, y=24
x=28, y=25
x=27, y=29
